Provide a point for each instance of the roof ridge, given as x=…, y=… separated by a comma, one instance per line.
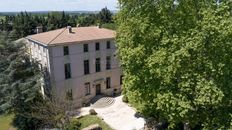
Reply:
x=56, y=36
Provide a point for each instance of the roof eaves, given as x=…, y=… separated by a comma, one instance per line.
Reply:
x=29, y=38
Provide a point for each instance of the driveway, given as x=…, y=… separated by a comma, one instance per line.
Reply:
x=120, y=116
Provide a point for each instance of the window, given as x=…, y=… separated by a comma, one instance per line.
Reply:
x=97, y=46
x=69, y=94
x=86, y=67
x=108, y=45
x=86, y=47
x=108, y=82
x=87, y=88
x=121, y=79
x=67, y=69
x=98, y=64
x=66, y=50
x=108, y=62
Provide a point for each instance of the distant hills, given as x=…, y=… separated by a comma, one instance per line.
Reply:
x=46, y=12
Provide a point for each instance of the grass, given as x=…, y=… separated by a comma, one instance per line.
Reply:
x=5, y=122
x=90, y=120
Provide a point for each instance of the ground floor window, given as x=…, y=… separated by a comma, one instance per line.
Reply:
x=87, y=88
x=108, y=82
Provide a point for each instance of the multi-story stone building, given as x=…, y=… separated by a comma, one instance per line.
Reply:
x=80, y=62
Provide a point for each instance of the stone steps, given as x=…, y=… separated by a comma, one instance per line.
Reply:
x=102, y=102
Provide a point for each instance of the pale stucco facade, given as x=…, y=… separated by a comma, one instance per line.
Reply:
x=52, y=58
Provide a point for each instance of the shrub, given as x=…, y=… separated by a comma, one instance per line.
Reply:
x=125, y=99
x=74, y=125
x=92, y=112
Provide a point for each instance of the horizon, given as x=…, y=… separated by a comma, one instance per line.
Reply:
x=57, y=5
x=45, y=11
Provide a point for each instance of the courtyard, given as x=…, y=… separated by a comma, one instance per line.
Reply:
x=117, y=115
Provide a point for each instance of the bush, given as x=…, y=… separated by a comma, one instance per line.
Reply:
x=74, y=125
x=92, y=112
x=125, y=99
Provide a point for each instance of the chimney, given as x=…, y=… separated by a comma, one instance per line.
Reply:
x=69, y=29
x=39, y=29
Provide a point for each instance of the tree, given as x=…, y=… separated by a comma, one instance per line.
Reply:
x=105, y=16
x=20, y=85
x=176, y=58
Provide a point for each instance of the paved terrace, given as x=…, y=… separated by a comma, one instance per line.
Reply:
x=119, y=115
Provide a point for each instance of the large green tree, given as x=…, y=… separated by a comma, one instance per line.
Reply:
x=177, y=60
x=20, y=85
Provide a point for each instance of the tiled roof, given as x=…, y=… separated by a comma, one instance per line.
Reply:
x=79, y=34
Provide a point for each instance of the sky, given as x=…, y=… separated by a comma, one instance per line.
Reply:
x=56, y=5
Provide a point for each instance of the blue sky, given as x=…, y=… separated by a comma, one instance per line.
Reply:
x=56, y=5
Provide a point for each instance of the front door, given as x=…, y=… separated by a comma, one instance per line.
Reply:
x=98, y=89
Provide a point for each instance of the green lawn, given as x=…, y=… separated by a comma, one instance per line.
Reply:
x=5, y=122
x=90, y=120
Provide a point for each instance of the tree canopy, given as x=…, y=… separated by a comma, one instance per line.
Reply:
x=24, y=23
x=176, y=58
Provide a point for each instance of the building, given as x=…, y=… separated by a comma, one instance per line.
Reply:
x=79, y=62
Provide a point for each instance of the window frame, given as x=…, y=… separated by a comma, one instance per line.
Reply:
x=108, y=82
x=108, y=45
x=97, y=46
x=85, y=47
x=87, y=89
x=98, y=64
x=66, y=50
x=108, y=62
x=67, y=71
x=86, y=67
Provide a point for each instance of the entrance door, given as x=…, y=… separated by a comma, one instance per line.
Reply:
x=98, y=89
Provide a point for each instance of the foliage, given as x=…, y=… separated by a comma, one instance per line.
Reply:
x=125, y=99
x=19, y=82
x=74, y=125
x=90, y=120
x=111, y=26
x=105, y=16
x=5, y=122
x=176, y=59
x=24, y=24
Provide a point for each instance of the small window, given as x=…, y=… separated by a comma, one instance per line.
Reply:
x=66, y=50
x=98, y=64
x=67, y=69
x=97, y=46
x=121, y=79
x=86, y=47
x=108, y=62
x=108, y=45
x=87, y=88
x=86, y=67
x=44, y=49
x=108, y=82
